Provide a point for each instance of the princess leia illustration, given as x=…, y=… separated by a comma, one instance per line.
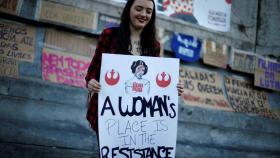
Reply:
x=137, y=84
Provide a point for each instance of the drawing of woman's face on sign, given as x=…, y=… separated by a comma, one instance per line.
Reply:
x=139, y=68
x=139, y=71
x=137, y=84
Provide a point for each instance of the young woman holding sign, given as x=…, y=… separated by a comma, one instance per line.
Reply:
x=136, y=35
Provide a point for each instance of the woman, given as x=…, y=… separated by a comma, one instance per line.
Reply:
x=137, y=84
x=134, y=36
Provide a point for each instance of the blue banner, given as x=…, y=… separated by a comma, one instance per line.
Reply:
x=186, y=47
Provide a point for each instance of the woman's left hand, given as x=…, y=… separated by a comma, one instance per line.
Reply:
x=180, y=88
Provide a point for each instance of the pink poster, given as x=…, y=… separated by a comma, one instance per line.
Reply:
x=64, y=68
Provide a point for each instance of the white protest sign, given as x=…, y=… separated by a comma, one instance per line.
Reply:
x=138, y=106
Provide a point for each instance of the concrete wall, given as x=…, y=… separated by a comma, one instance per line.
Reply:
x=44, y=119
x=268, y=28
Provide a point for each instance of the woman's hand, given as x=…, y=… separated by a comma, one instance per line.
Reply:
x=180, y=88
x=94, y=86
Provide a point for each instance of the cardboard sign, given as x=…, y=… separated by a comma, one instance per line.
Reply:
x=243, y=61
x=17, y=41
x=215, y=54
x=186, y=47
x=214, y=14
x=10, y=6
x=267, y=74
x=64, y=68
x=70, y=42
x=203, y=88
x=8, y=67
x=244, y=98
x=68, y=15
x=138, y=106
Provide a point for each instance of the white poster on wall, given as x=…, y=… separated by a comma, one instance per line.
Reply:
x=138, y=106
x=213, y=14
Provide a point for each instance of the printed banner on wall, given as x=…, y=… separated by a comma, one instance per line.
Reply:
x=203, y=88
x=186, y=47
x=65, y=68
x=244, y=98
x=10, y=6
x=213, y=14
x=9, y=67
x=243, y=61
x=17, y=41
x=74, y=16
x=138, y=106
x=215, y=54
x=267, y=74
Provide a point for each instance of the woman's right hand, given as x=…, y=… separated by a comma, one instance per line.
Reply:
x=94, y=86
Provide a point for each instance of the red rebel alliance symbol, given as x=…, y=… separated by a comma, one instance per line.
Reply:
x=163, y=82
x=112, y=81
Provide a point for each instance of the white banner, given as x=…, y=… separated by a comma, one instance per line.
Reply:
x=138, y=106
x=213, y=14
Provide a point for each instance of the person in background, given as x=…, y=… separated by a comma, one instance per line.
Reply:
x=136, y=35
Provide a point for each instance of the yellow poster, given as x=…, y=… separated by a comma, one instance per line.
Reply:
x=243, y=97
x=9, y=67
x=17, y=41
x=78, y=44
x=10, y=6
x=203, y=88
x=74, y=16
x=243, y=61
x=215, y=54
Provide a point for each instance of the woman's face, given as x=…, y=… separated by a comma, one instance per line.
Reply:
x=139, y=72
x=140, y=13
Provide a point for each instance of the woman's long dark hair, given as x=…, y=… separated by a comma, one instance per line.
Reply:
x=148, y=35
